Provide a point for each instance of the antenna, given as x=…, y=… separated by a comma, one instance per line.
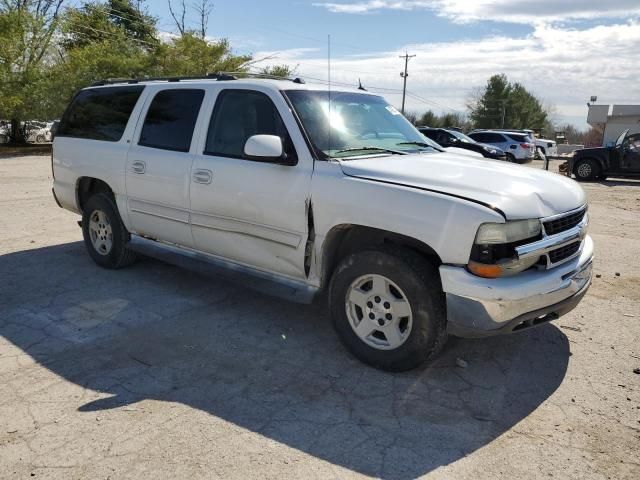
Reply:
x=329, y=91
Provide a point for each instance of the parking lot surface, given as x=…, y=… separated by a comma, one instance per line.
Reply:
x=157, y=372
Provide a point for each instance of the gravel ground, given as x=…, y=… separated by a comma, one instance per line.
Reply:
x=156, y=372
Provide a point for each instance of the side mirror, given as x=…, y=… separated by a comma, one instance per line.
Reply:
x=265, y=148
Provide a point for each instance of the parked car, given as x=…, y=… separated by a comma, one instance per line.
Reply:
x=252, y=179
x=622, y=159
x=5, y=131
x=518, y=147
x=452, y=138
x=37, y=132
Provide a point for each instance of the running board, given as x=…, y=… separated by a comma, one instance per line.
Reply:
x=208, y=265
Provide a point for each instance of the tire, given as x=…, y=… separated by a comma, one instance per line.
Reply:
x=586, y=170
x=411, y=286
x=105, y=236
x=40, y=139
x=510, y=158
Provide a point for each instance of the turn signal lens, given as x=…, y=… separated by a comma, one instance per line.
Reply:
x=484, y=270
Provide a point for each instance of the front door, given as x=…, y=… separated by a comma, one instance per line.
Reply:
x=159, y=165
x=630, y=154
x=251, y=212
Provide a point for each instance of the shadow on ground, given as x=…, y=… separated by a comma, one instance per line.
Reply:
x=154, y=331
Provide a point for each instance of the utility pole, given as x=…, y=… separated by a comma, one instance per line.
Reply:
x=404, y=75
x=504, y=110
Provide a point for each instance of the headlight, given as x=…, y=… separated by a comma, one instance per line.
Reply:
x=493, y=254
x=507, y=232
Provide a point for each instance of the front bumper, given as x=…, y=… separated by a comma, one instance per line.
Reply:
x=478, y=307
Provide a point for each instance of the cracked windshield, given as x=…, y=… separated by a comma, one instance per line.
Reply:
x=356, y=125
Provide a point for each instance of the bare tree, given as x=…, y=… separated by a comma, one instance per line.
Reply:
x=178, y=18
x=203, y=8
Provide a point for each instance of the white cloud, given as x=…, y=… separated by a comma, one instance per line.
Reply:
x=563, y=67
x=514, y=11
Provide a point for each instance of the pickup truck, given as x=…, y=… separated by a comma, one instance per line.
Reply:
x=312, y=193
x=622, y=159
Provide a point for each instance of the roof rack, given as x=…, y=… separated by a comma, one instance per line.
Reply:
x=219, y=76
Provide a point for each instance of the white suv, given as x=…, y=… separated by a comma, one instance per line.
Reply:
x=517, y=146
x=309, y=191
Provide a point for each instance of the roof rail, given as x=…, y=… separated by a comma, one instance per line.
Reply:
x=219, y=76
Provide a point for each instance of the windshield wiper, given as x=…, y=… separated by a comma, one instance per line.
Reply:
x=379, y=149
x=418, y=144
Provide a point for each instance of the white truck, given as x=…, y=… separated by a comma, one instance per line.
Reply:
x=309, y=193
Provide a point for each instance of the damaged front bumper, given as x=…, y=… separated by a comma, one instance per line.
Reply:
x=478, y=307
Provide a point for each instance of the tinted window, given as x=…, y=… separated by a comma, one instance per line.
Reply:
x=479, y=137
x=430, y=133
x=518, y=137
x=171, y=119
x=238, y=115
x=99, y=113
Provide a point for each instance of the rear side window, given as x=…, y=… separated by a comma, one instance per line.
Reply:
x=240, y=114
x=99, y=113
x=171, y=119
x=518, y=138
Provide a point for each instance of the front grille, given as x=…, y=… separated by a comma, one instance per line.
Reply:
x=551, y=227
x=562, y=253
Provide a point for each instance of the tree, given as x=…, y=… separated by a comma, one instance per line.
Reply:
x=506, y=105
x=284, y=71
x=191, y=55
x=27, y=28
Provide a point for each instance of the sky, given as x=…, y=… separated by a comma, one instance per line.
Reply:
x=563, y=51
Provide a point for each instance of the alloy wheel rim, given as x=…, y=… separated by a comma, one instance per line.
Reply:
x=584, y=170
x=378, y=312
x=100, y=232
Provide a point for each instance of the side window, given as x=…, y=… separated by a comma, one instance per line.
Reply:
x=240, y=114
x=633, y=142
x=171, y=119
x=495, y=138
x=429, y=133
x=99, y=113
x=479, y=137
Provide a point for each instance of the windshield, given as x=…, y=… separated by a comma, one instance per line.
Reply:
x=355, y=124
x=461, y=136
x=621, y=137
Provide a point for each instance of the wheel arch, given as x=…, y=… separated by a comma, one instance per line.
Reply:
x=598, y=161
x=345, y=239
x=88, y=186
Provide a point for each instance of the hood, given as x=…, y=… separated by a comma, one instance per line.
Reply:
x=517, y=191
x=462, y=151
x=590, y=151
x=491, y=147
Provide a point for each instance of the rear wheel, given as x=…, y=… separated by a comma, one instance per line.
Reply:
x=586, y=170
x=510, y=158
x=105, y=236
x=388, y=308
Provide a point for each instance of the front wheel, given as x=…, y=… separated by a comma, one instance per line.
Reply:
x=586, y=170
x=105, y=236
x=388, y=308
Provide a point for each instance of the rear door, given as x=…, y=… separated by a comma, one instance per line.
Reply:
x=159, y=165
x=251, y=212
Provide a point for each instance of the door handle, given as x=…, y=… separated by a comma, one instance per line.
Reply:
x=138, y=167
x=202, y=175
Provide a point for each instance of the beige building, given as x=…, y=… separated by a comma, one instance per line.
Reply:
x=612, y=120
